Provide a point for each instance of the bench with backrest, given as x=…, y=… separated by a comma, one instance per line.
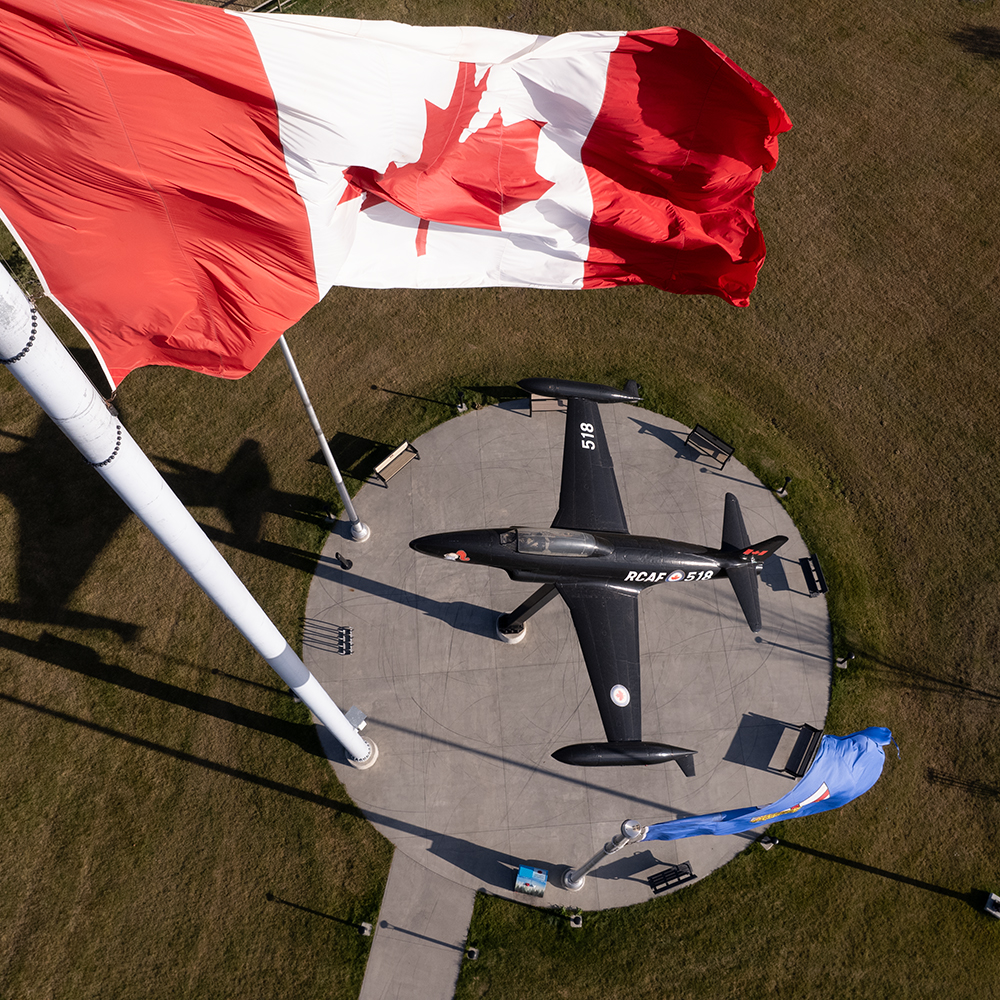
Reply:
x=671, y=876
x=706, y=443
x=813, y=573
x=804, y=750
x=392, y=463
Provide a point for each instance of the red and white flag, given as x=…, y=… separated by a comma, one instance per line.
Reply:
x=189, y=182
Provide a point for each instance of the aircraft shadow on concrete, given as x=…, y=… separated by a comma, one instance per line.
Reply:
x=461, y=615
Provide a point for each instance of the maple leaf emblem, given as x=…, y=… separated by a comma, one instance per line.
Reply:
x=463, y=177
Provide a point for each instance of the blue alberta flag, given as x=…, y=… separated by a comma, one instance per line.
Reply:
x=844, y=768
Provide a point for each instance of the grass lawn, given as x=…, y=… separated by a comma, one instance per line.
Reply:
x=169, y=828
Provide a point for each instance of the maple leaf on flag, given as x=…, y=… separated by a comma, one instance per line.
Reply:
x=464, y=176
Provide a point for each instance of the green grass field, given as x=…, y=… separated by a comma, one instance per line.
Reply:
x=168, y=826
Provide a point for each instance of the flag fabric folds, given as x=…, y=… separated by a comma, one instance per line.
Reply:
x=188, y=181
x=844, y=768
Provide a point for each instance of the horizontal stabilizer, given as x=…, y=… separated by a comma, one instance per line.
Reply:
x=734, y=532
x=624, y=754
x=564, y=389
x=759, y=551
x=744, y=581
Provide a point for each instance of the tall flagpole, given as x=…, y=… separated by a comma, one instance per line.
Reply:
x=39, y=361
x=360, y=531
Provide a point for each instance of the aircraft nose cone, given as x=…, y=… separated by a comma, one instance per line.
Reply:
x=445, y=546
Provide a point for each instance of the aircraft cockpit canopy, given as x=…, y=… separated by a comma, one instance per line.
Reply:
x=557, y=542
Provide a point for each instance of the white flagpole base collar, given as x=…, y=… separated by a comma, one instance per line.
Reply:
x=363, y=765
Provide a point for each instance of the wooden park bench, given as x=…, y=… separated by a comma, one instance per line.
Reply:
x=706, y=443
x=811, y=570
x=671, y=876
x=392, y=464
x=804, y=750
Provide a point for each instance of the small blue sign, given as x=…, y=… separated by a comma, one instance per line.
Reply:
x=531, y=881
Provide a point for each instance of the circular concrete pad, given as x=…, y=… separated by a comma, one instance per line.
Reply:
x=465, y=724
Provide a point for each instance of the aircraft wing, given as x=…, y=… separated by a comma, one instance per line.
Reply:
x=588, y=495
x=607, y=625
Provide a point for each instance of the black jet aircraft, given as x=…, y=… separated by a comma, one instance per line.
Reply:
x=599, y=570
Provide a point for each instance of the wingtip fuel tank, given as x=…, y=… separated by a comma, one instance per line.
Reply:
x=625, y=753
x=562, y=388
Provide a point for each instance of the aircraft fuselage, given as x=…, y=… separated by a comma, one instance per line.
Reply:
x=549, y=555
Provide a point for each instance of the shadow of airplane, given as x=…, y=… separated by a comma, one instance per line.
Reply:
x=66, y=515
x=978, y=40
x=462, y=615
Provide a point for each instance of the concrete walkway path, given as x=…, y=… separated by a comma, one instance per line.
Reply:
x=419, y=941
x=465, y=786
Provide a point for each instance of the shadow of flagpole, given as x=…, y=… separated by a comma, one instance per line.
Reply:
x=967, y=897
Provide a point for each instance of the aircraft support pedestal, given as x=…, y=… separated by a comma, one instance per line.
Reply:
x=511, y=628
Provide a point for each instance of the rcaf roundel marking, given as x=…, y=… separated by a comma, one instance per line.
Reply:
x=675, y=576
x=620, y=695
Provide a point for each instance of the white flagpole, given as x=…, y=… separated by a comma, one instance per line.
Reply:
x=360, y=531
x=39, y=361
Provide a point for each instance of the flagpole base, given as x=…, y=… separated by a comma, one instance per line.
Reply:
x=360, y=532
x=363, y=765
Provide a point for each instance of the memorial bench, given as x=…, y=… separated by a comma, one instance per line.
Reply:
x=392, y=464
x=813, y=572
x=671, y=876
x=706, y=443
x=804, y=750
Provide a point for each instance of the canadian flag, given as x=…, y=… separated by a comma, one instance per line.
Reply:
x=188, y=182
